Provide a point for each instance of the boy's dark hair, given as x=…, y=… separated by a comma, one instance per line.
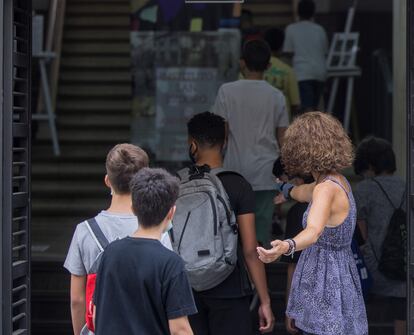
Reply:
x=306, y=9
x=375, y=153
x=122, y=162
x=256, y=55
x=275, y=38
x=207, y=129
x=154, y=192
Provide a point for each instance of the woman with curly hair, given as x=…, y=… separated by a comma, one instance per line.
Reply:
x=326, y=296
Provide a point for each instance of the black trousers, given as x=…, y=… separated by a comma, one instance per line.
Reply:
x=221, y=316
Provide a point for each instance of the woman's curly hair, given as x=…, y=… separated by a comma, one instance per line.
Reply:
x=316, y=142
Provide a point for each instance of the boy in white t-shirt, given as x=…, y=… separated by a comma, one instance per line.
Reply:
x=256, y=118
x=118, y=221
x=307, y=42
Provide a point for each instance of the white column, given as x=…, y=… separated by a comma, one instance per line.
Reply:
x=399, y=78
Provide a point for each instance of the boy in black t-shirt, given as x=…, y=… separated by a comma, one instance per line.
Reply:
x=224, y=309
x=142, y=287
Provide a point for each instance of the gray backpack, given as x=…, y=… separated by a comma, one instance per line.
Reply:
x=204, y=232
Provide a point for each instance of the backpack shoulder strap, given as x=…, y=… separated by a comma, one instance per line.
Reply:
x=221, y=170
x=97, y=234
x=183, y=174
x=385, y=193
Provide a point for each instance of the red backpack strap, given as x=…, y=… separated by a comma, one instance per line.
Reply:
x=97, y=234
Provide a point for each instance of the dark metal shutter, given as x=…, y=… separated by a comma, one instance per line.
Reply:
x=15, y=167
x=410, y=161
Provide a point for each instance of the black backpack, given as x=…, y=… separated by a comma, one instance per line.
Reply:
x=393, y=261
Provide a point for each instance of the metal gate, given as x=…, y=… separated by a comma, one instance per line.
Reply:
x=410, y=160
x=15, y=72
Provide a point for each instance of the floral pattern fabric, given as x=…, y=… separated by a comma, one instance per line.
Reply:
x=326, y=296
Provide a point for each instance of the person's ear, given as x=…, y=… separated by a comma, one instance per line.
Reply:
x=193, y=147
x=171, y=213
x=107, y=181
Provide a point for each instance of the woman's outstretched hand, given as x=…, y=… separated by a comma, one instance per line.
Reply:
x=278, y=249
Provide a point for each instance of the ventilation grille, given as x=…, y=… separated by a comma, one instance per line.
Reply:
x=16, y=168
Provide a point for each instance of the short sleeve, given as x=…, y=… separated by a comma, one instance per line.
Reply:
x=178, y=296
x=282, y=116
x=74, y=262
x=361, y=199
x=245, y=199
x=219, y=106
x=293, y=88
x=240, y=193
x=288, y=43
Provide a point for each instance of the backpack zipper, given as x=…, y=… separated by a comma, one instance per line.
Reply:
x=182, y=233
x=214, y=214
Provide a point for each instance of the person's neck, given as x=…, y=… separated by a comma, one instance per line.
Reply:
x=212, y=158
x=121, y=204
x=252, y=75
x=153, y=233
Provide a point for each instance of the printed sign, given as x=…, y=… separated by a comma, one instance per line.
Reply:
x=180, y=93
x=175, y=75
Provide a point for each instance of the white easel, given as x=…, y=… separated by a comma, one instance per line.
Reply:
x=341, y=63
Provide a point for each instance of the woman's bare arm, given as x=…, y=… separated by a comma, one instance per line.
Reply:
x=303, y=193
x=319, y=214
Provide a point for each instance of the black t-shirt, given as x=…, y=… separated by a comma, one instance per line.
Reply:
x=294, y=226
x=242, y=201
x=140, y=286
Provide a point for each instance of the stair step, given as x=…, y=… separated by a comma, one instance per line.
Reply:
x=269, y=20
x=75, y=207
x=95, y=35
x=93, y=105
x=112, y=77
x=46, y=189
x=73, y=170
x=51, y=327
x=71, y=153
x=87, y=48
x=95, y=9
x=269, y=8
x=93, y=91
x=90, y=63
x=91, y=121
x=66, y=224
x=85, y=135
x=119, y=21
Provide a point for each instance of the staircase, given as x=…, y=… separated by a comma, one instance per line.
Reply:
x=93, y=114
x=271, y=13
